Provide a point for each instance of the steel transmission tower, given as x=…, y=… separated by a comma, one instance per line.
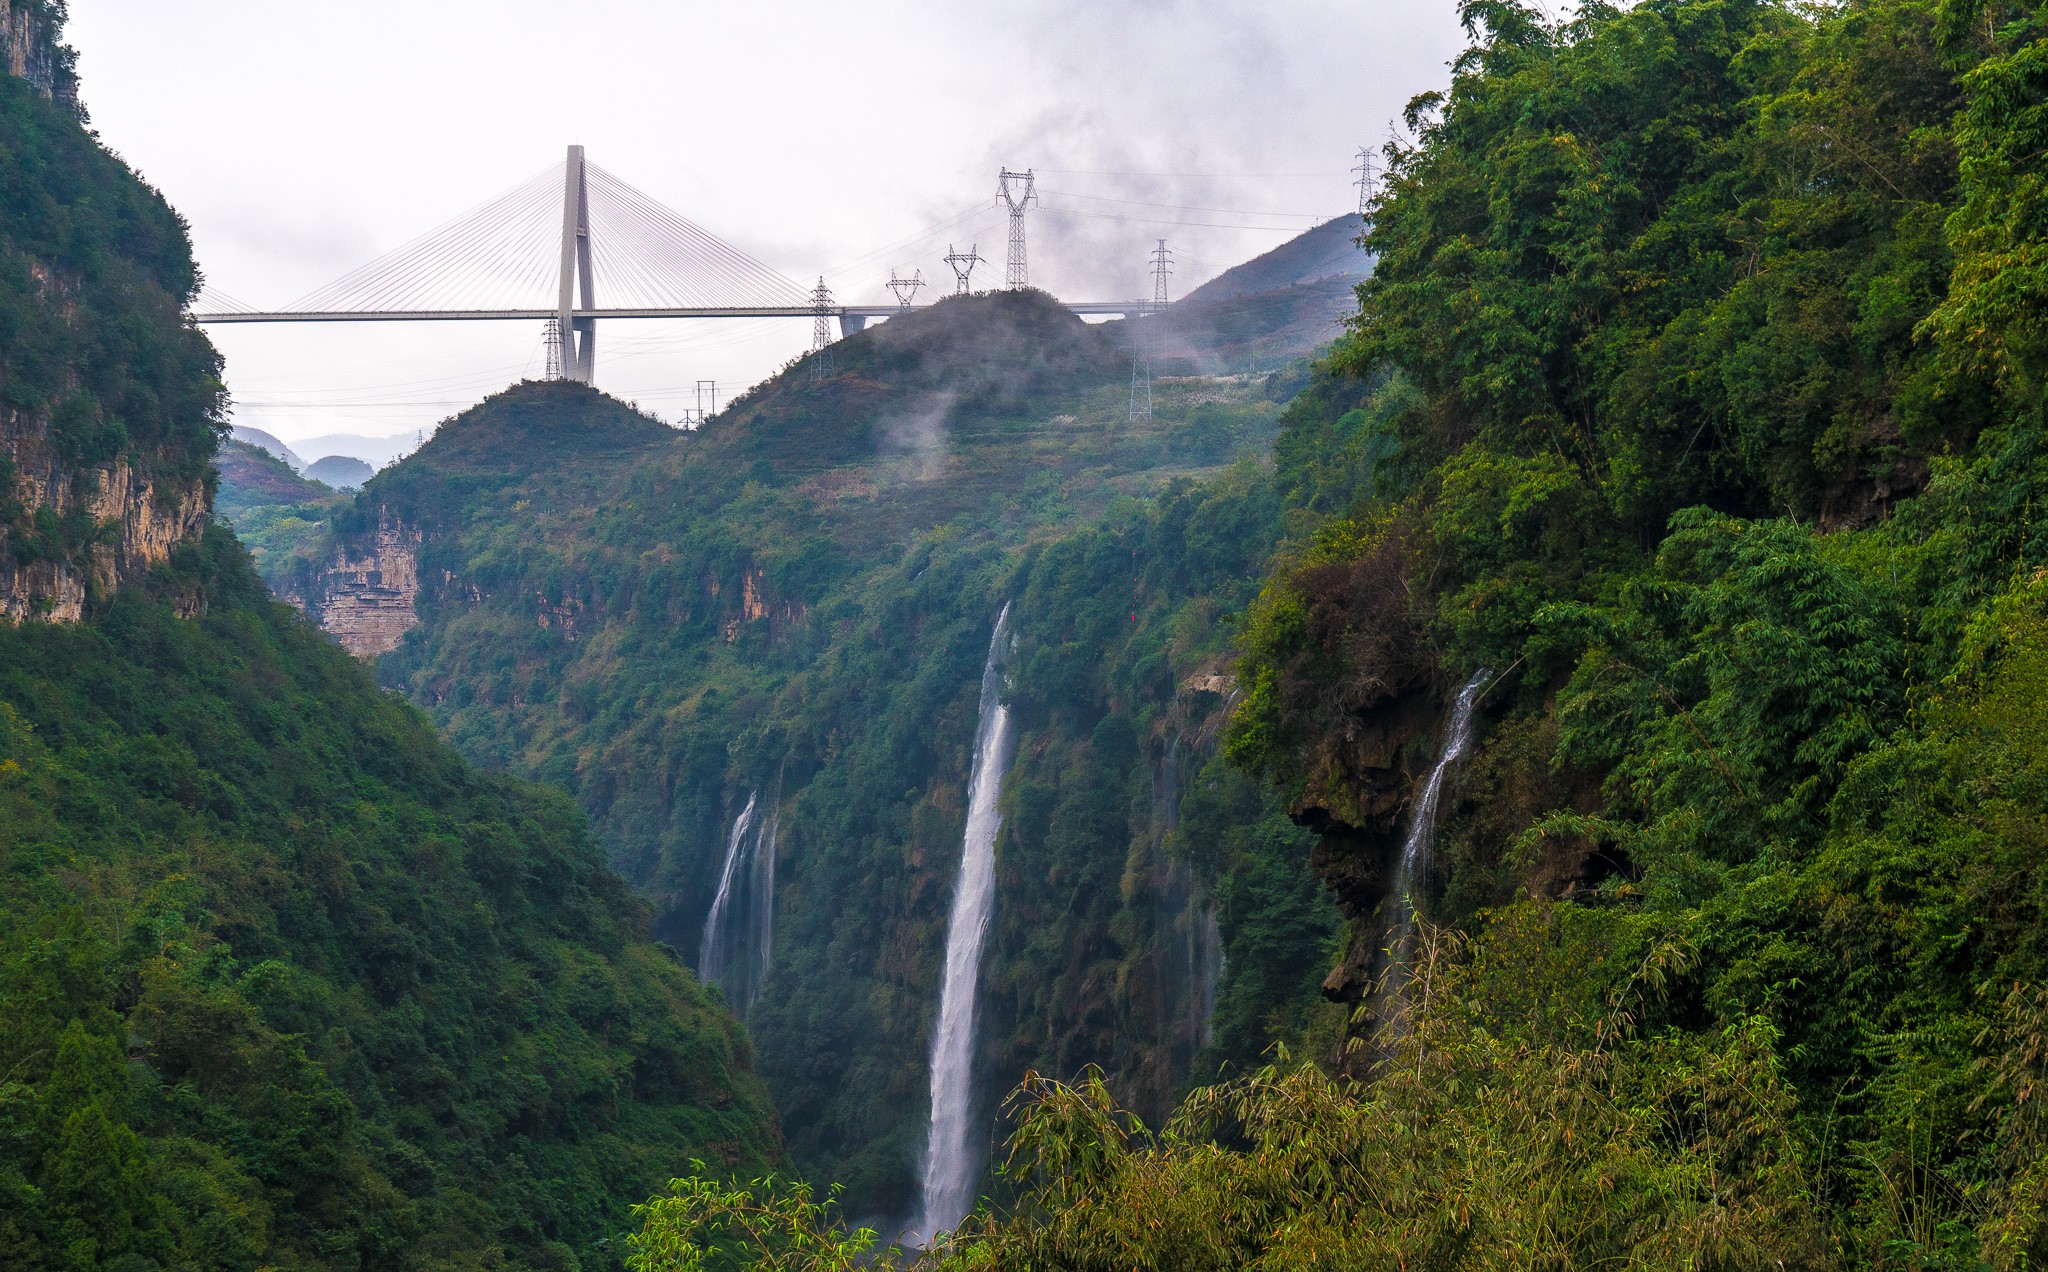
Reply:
x=1017, y=190
x=1141, y=335
x=579, y=335
x=1162, y=265
x=1365, y=180
x=905, y=288
x=821, y=331
x=963, y=266
x=551, y=336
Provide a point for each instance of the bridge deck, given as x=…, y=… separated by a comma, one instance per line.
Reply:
x=1125, y=307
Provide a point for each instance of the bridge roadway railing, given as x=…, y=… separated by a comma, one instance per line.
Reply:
x=852, y=317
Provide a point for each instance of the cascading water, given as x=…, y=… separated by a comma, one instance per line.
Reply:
x=1421, y=842
x=711, y=950
x=952, y=1166
x=1188, y=959
x=761, y=914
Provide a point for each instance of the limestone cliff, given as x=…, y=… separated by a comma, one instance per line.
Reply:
x=30, y=50
x=364, y=597
x=121, y=523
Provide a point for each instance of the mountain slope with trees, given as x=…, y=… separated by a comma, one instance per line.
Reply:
x=285, y=982
x=792, y=606
x=1694, y=418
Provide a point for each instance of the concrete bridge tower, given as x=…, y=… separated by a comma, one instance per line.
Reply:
x=579, y=335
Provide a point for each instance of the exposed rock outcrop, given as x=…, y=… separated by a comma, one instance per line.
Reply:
x=107, y=525
x=29, y=49
x=364, y=598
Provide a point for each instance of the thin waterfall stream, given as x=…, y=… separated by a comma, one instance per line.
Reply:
x=739, y=931
x=711, y=949
x=1417, y=850
x=952, y=1162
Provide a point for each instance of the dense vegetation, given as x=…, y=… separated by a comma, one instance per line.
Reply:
x=287, y=983
x=94, y=271
x=284, y=982
x=797, y=601
x=1699, y=401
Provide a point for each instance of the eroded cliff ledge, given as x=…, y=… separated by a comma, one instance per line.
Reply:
x=68, y=532
x=365, y=597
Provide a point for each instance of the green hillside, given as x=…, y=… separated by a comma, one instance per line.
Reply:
x=278, y=515
x=284, y=981
x=1704, y=414
x=287, y=983
x=795, y=601
x=1690, y=429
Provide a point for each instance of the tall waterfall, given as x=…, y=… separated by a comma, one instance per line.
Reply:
x=1421, y=841
x=739, y=932
x=1190, y=944
x=952, y=1164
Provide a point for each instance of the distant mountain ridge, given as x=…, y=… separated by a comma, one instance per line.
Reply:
x=1328, y=251
x=1270, y=311
x=263, y=441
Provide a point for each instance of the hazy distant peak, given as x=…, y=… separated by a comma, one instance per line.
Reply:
x=263, y=441
x=1330, y=250
x=343, y=472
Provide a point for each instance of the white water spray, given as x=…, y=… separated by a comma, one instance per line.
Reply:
x=1415, y=853
x=713, y=951
x=952, y=1166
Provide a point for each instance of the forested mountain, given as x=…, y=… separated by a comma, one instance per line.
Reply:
x=789, y=610
x=1703, y=376
x=1640, y=621
x=284, y=982
x=1676, y=476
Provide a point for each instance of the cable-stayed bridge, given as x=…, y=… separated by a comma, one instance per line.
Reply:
x=548, y=249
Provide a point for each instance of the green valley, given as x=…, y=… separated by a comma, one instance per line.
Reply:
x=1505, y=732
x=789, y=608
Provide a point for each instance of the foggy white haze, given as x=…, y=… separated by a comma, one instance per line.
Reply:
x=839, y=139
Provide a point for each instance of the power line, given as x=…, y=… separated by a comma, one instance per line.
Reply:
x=1092, y=172
x=1156, y=220
x=1178, y=207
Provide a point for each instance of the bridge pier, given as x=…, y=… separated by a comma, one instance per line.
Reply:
x=851, y=324
x=579, y=335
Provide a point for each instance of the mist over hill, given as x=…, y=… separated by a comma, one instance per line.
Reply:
x=1556, y=780
x=789, y=608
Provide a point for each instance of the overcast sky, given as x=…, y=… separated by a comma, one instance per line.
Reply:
x=847, y=139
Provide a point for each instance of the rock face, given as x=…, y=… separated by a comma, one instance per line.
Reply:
x=29, y=49
x=364, y=598
x=73, y=527
x=132, y=523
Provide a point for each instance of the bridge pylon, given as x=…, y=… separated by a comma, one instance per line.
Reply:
x=579, y=335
